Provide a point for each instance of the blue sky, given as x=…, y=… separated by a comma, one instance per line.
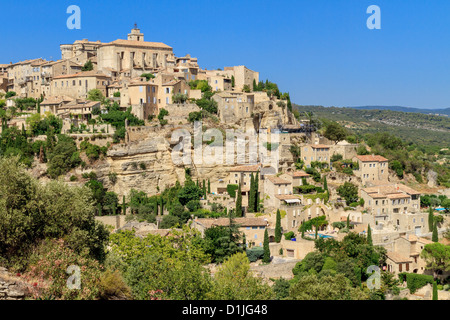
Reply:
x=320, y=51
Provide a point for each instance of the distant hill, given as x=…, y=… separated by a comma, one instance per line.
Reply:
x=442, y=112
x=414, y=127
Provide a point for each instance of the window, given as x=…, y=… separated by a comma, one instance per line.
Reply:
x=167, y=100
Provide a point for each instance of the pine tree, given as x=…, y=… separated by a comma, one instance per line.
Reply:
x=435, y=237
x=251, y=196
x=278, y=227
x=369, y=235
x=430, y=219
x=266, y=257
x=239, y=202
x=435, y=291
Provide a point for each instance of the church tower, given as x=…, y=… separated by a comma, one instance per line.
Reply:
x=136, y=34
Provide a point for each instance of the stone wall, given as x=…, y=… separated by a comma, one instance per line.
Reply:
x=115, y=221
x=10, y=287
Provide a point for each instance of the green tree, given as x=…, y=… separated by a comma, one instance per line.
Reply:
x=338, y=287
x=349, y=192
x=257, y=208
x=335, y=132
x=430, y=219
x=162, y=113
x=369, y=235
x=234, y=281
x=88, y=66
x=278, y=232
x=435, y=291
x=63, y=157
x=436, y=256
x=435, y=236
x=30, y=211
x=251, y=196
x=266, y=257
x=95, y=95
x=239, y=202
x=233, y=81
x=209, y=186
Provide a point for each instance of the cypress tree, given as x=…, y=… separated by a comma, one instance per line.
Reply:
x=233, y=81
x=162, y=205
x=251, y=196
x=256, y=204
x=209, y=186
x=204, y=188
x=348, y=222
x=317, y=229
x=244, y=241
x=435, y=291
x=124, y=205
x=155, y=208
x=239, y=202
x=325, y=185
x=99, y=209
x=369, y=235
x=430, y=219
x=435, y=237
x=278, y=227
x=255, y=87
x=266, y=257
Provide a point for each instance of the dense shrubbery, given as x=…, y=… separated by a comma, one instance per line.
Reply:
x=416, y=281
x=30, y=212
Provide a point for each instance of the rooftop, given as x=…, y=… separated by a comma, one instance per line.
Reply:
x=372, y=158
x=277, y=180
x=135, y=43
x=397, y=257
x=223, y=222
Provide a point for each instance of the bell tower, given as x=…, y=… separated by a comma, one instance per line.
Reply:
x=136, y=34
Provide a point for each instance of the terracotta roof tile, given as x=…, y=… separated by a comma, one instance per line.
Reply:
x=372, y=158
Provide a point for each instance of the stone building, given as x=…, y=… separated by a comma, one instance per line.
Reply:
x=371, y=168
x=395, y=207
x=20, y=77
x=78, y=85
x=316, y=152
x=273, y=186
x=134, y=56
x=79, y=48
x=404, y=255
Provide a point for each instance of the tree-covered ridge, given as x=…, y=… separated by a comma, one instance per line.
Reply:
x=416, y=128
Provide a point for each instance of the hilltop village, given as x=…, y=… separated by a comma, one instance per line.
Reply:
x=116, y=109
